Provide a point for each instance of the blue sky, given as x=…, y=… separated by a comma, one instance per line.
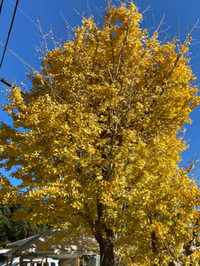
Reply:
x=25, y=36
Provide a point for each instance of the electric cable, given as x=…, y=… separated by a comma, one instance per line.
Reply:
x=1, y=5
x=9, y=31
x=38, y=27
x=17, y=56
x=7, y=83
x=25, y=14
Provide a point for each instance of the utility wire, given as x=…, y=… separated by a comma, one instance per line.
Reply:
x=17, y=56
x=38, y=27
x=1, y=5
x=9, y=31
x=7, y=83
x=25, y=15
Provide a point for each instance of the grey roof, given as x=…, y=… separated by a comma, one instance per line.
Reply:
x=26, y=243
x=3, y=251
x=20, y=242
x=71, y=247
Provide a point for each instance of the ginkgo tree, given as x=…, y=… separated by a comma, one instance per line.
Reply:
x=100, y=149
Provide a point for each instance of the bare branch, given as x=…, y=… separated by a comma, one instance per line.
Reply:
x=119, y=59
x=88, y=7
x=67, y=23
x=44, y=34
x=154, y=23
x=160, y=24
x=175, y=64
x=146, y=9
x=39, y=131
x=79, y=13
x=110, y=75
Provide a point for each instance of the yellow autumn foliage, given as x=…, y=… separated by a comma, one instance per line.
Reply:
x=100, y=149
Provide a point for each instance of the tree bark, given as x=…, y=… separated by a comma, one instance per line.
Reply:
x=106, y=248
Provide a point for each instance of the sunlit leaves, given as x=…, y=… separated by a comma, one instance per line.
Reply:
x=101, y=124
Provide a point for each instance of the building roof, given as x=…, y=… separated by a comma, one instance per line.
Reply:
x=3, y=251
x=71, y=247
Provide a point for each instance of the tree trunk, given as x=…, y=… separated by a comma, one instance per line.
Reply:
x=106, y=248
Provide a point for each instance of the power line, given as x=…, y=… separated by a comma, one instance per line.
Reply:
x=37, y=25
x=7, y=83
x=25, y=15
x=17, y=56
x=1, y=5
x=9, y=31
